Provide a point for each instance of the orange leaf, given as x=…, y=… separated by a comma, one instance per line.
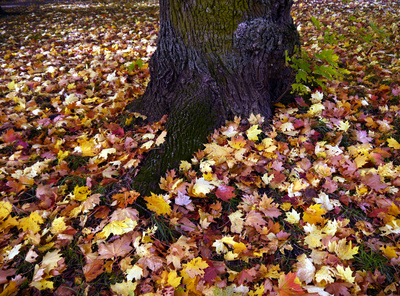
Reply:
x=289, y=285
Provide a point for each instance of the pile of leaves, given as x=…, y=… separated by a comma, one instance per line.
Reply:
x=305, y=204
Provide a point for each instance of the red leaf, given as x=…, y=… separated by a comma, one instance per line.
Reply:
x=210, y=273
x=9, y=136
x=246, y=275
x=288, y=286
x=225, y=192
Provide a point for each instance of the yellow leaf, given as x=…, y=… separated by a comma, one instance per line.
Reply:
x=10, y=289
x=50, y=260
x=156, y=203
x=259, y=291
x=324, y=275
x=345, y=274
x=87, y=148
x=393, y=210
x=58, y=225
x=343, y=250
x=42, y=285
x=118, y=227
x=313, y=214
x=253, y=132
x=195, y=267
x=393, y=143
x=81, y=193
x=5, y=209
x=124, y=289
x=62, y=155
x=389, y=252
x=32, y=222
x=11, y=85
x=173, y=279
x=361, y=160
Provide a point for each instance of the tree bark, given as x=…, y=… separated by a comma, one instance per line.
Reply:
x=215, y=59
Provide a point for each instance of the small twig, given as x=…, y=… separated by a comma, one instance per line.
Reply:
x=370, y=50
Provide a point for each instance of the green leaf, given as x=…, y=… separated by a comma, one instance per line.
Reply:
x=316, y=22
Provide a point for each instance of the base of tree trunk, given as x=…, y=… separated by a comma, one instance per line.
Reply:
x=202, y=75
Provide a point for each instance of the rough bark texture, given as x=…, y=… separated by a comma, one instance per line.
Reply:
x=215, y=59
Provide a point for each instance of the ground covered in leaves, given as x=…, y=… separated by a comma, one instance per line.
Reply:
x=307, y=205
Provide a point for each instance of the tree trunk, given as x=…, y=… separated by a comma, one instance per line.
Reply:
x=215, y=59
x=2, y=12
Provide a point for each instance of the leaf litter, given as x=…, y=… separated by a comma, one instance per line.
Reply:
x=306, y=205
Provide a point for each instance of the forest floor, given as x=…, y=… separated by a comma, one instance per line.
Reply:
x=307, y=203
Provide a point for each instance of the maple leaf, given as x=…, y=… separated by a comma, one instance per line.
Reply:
x=374, y=181
x=81, y=193
x=13, y=252
x=58, y=225
x=51, y=260
x=292, y=217
x=289, y=285
x=42, y=284
x=313, y=214
x=202, y=187
x=343, y=250
x=158, y=204
x=118, y=248
x=253, y=132
x=182, y=199
x=255, y=219
x=195, y=267
x=305, y=269
x=118, y=227
x=86, y=148
x=237, y=222
x=31, y=255
x=6, y=273
x=325, y=275
x=32, y=222
x=93, y=269
x=345, y=273
x=338, y=289
x=5, y=209
x=136, y=272
x=126, y=288
x=225, y=192
x=173, y=279
x=389, y=252
x=246, y=275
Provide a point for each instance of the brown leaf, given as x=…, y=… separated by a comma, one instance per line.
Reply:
x=93, y=269
x=255, y=219
x=4, y=274
x=338, y=289
x=374, y=181
x=118, y=248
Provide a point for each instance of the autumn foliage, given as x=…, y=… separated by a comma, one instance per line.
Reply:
x=307, y=204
